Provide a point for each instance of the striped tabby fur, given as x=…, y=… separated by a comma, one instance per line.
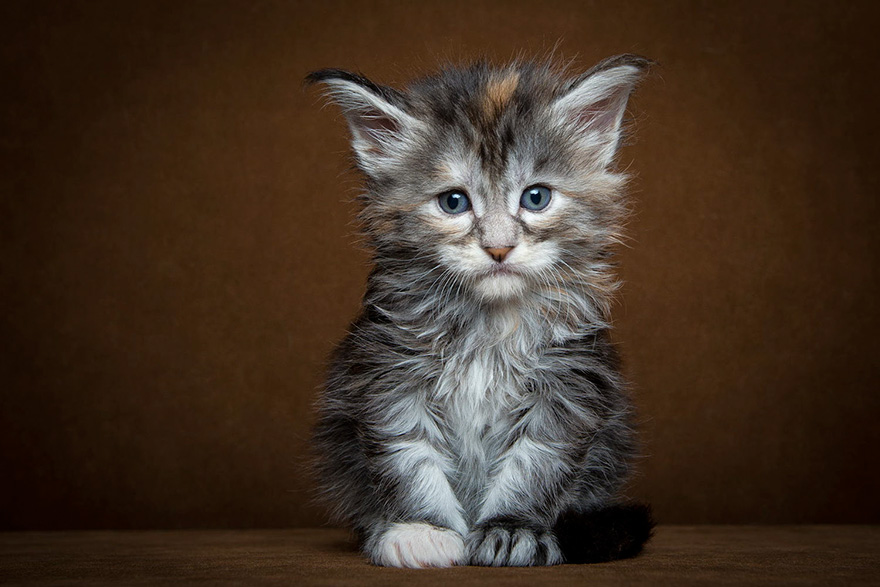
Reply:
x=475, y=413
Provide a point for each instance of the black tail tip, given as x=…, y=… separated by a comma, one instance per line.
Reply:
x=616, y=532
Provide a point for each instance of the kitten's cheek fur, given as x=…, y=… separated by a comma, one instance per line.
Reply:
x=417, y=546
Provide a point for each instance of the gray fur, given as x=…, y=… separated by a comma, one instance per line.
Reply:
x=474, y=402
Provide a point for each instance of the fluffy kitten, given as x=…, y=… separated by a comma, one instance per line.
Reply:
x=475, y=414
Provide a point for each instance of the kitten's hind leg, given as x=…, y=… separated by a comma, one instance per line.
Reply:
x=415, y=545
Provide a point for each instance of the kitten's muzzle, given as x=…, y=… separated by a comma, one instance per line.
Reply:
x=498, y=253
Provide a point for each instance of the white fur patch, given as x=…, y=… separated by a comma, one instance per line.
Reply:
x=500, y=287
x=418, y=546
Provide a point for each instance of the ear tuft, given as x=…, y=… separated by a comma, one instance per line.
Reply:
x=592, y=106
x=377, y=115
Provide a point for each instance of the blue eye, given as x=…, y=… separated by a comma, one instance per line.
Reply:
x=454, y=202
x=535, y=198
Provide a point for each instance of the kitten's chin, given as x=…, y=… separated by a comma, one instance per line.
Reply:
x=500, y=286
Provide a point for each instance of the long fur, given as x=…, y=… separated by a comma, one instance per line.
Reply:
x=475, y=412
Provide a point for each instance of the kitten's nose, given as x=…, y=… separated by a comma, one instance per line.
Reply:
x=498, y=253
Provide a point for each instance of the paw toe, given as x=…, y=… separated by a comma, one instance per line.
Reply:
x=513, y=546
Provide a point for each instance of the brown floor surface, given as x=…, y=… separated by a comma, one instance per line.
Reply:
x=678, y=555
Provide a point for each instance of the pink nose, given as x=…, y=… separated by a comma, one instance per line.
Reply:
x=498, y=253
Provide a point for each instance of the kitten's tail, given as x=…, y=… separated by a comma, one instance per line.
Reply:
x=618, y=531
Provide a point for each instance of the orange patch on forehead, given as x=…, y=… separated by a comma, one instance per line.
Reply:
x=499, y=91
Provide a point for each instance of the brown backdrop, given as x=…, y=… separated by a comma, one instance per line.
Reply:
x=178, y=259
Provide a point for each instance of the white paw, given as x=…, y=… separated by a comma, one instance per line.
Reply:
x=419, y=545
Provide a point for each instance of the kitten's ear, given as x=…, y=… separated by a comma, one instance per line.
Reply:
x=381, y=129
x=592, y=107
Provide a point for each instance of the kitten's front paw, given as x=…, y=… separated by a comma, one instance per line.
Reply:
x=418, y=545
x=498, y=544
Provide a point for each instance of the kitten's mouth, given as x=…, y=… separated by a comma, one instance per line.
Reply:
x=502, y=269
x=501, y=281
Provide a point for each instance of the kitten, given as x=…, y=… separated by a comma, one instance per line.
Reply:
x=475, y=414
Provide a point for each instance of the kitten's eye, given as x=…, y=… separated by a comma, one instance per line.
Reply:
x=454, y=202
x=535, y=198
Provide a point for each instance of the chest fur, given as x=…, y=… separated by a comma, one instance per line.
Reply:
x=478, y=396
x=483, y=383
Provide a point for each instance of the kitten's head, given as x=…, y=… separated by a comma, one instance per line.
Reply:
x=499, y=179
